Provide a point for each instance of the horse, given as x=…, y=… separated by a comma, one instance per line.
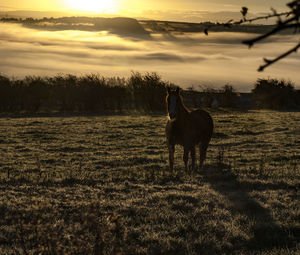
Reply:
x=188, y=128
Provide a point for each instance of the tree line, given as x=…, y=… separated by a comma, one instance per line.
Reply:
x=94, y=93
x=89, y=93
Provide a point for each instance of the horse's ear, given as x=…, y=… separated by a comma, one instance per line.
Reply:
x=168, y=90
x=177, y=91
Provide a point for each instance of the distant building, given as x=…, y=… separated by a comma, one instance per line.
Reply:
x=216, y=99
x=245, y=100
x=215, y=103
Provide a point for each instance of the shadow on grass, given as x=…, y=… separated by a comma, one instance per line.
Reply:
x=267, y=234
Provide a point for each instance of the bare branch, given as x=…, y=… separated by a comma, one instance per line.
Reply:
x=272, y=32
x=288, y=23
x=269, y=62
x=292, y=22
x=261, y=18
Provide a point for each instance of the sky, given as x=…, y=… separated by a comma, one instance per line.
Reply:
x=144, y=8
x=184, y=59
x=191, y=59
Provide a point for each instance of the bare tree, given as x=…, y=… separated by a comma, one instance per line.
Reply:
x=289, y=20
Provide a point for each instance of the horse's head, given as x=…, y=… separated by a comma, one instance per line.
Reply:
x=173, y=100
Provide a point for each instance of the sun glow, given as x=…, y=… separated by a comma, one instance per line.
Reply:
x=102, y=6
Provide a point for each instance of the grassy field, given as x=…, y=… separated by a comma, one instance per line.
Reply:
x=100, y=185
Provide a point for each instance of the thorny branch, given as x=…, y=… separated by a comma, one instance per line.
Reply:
x=292, y=20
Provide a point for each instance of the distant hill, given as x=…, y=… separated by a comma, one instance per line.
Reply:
x=121, y=26
x=128, y=26
x=157, y=26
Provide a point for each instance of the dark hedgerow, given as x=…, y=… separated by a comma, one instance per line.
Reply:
x=275, y=94
x=141, y=92
x=89, y=93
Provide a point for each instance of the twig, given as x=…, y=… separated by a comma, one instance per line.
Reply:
x=245, y=20
x=270, y=62
x=272, y=32
x=292, y=22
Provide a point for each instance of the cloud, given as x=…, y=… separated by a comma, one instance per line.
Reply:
x=168, y=57
x=184, y=59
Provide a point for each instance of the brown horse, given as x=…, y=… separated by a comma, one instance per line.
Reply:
x=187, y=128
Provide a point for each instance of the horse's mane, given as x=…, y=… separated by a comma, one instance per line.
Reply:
x=186, y=109
x=183, y=105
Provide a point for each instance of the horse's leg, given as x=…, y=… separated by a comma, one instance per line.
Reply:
x=202, y=148
x=186, y=157
x=193, y=157
x=171, y=148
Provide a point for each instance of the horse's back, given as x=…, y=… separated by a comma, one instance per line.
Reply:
x=203, y=122
x=202, y=116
